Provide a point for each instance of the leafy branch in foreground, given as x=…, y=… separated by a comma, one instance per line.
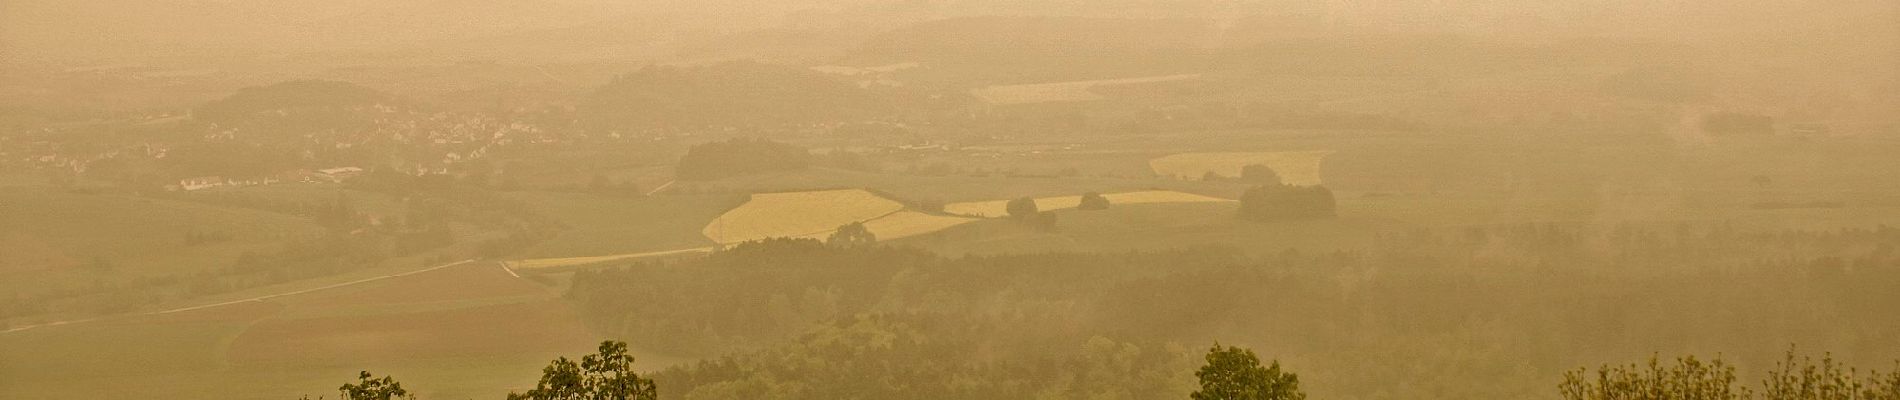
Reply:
x=368, y=387
x=1692, y=379
x=607, y=375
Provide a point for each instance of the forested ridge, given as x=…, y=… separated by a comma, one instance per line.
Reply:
x=1481, y=312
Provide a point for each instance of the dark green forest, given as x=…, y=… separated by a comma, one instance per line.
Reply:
x=1482, y=312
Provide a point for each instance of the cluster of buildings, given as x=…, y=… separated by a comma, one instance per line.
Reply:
x=425, y=143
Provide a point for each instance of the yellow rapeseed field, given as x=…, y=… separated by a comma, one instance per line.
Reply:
x=812, y=215
x=1294, y=167
x=999, y=208
x=1062, y=91
x=797, y=214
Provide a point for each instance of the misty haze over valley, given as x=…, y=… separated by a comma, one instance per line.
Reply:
x=936, y=199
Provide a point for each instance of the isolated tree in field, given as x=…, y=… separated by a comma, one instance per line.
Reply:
x=369, y=388
x=607, y=375
x=1260, y=174
x=1234, y=373
x=1093, y=201
x=1045, y=221
x=1022, y=208
x=850, y=236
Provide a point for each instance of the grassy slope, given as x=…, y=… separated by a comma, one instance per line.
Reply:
x=476, y=333
x=601, y=225
x=138, y=236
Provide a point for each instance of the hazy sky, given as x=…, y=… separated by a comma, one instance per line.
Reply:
x=100, y=31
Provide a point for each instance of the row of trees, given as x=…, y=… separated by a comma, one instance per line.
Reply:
x=1286, y=203
x=1252, y=173
x=1026, y=211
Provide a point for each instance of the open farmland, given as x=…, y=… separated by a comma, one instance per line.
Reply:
x=896, y=225
x=1063, y=91
x=471, y=328
x=355, y=339
x=1294, y=167
x=948, y=200
x=770, y=215
x=949, y=188
x=1149, y=226
x=57, y=240
x=559, y=263
x=597, y=225
x=905, y=224
x=999, y=208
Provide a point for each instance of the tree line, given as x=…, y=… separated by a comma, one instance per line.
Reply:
x=1470, y=312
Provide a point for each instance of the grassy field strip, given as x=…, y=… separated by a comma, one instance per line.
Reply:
x=894, y=225
x=258, y=298
x=1000, y=208
x=820, y=234
x=911, y=223
x=1294, y=167
x=1062, y=91
x=534, y=265
x=797, y=214
x=900, y=224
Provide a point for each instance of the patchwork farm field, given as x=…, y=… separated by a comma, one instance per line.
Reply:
x=467, y=331
x=55, y=239
x=759, y=224
x=1294, y=167
x=952, y=188
x=563, y=263
x=602, y=225
x=905, y=224
x=541, y=327
x=797, y=214
x=1063, y=91
x=283, y=197
x=1150, y=226
x=1000, y=208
